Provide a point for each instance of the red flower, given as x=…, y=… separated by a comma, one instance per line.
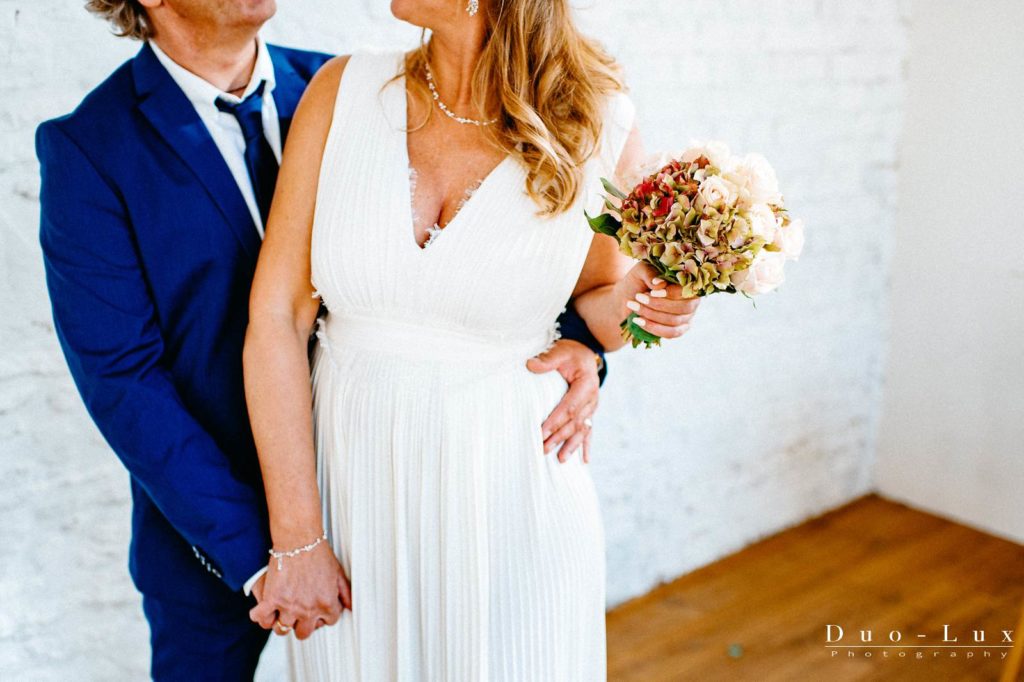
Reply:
x=645, y=188
x=664, y=206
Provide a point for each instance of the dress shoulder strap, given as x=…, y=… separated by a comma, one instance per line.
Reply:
x=616, y=124
x=619, y=115
x=362, y=96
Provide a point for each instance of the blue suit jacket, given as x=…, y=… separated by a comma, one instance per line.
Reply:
x=149, y=253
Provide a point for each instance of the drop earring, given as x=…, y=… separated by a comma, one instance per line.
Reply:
x=473, y=7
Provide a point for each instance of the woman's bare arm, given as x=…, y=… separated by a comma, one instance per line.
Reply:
x=282, y=311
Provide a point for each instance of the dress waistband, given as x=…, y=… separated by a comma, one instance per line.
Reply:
x=337, y=332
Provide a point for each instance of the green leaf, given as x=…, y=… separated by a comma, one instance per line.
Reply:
x=604, y=224
x=612, y=189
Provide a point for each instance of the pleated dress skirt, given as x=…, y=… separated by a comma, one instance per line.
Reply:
x=472, y=555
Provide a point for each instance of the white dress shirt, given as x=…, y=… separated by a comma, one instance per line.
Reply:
x=223, y=126
x=227, y=135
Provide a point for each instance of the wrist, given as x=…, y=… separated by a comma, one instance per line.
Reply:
x=295, y=533
x=607, y=307
x=620, y=295
x=278, y=555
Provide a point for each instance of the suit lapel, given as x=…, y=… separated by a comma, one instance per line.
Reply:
x=175, y=119
x=288, y=89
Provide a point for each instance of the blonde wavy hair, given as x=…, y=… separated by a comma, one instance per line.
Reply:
x=549, y=83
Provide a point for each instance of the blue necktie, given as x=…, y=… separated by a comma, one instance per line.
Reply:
x=259, y=156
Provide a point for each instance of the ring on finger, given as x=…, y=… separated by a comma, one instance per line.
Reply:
x=281, y=628
x=588, y=422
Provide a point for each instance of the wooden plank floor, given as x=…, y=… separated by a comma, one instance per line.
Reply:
x=761, y=614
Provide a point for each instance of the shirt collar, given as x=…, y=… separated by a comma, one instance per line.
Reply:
x=202, y=92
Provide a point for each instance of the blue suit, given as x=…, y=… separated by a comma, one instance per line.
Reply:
x=149, y=252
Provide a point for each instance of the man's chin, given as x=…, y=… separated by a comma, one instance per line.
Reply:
x=249, y=24
x=258, y=12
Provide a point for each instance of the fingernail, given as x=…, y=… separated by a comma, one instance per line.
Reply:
x=657, y=280
x=659, y=293
x=634, y=306
x=643, y=298
x=640, y=322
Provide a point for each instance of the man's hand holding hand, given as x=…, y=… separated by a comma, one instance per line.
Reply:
x=569, y=423
x=310, y=590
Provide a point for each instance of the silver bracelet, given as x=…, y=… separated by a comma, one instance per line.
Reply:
x=297, y=551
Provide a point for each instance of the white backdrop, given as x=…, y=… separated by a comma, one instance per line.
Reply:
x=951, y=438
x=753, y=422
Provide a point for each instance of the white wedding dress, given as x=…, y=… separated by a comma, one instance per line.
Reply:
x=471, y=554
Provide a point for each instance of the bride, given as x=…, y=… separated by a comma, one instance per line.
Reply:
x=434, y=201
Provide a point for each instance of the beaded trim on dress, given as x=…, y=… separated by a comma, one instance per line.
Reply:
x=554, y=333
x=435, y=230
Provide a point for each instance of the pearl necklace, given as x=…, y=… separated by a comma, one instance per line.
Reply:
x=448, y=112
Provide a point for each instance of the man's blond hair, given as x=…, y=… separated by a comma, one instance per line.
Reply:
x=127, y=17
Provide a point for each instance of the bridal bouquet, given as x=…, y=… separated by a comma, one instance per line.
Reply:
x=706, y=220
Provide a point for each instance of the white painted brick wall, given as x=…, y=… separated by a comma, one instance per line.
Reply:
x=755, y=421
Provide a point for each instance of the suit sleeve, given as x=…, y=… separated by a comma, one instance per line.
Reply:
x=571, y=325
x=106, y=324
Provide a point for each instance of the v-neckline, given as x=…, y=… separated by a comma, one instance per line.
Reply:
x=410, y=227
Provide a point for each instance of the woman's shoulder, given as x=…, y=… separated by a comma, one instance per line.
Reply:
x=349, y=77
x=312, y=119
x=323, y=87
x=372, y=65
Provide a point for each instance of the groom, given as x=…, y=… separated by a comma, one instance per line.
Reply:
x=154, y=192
